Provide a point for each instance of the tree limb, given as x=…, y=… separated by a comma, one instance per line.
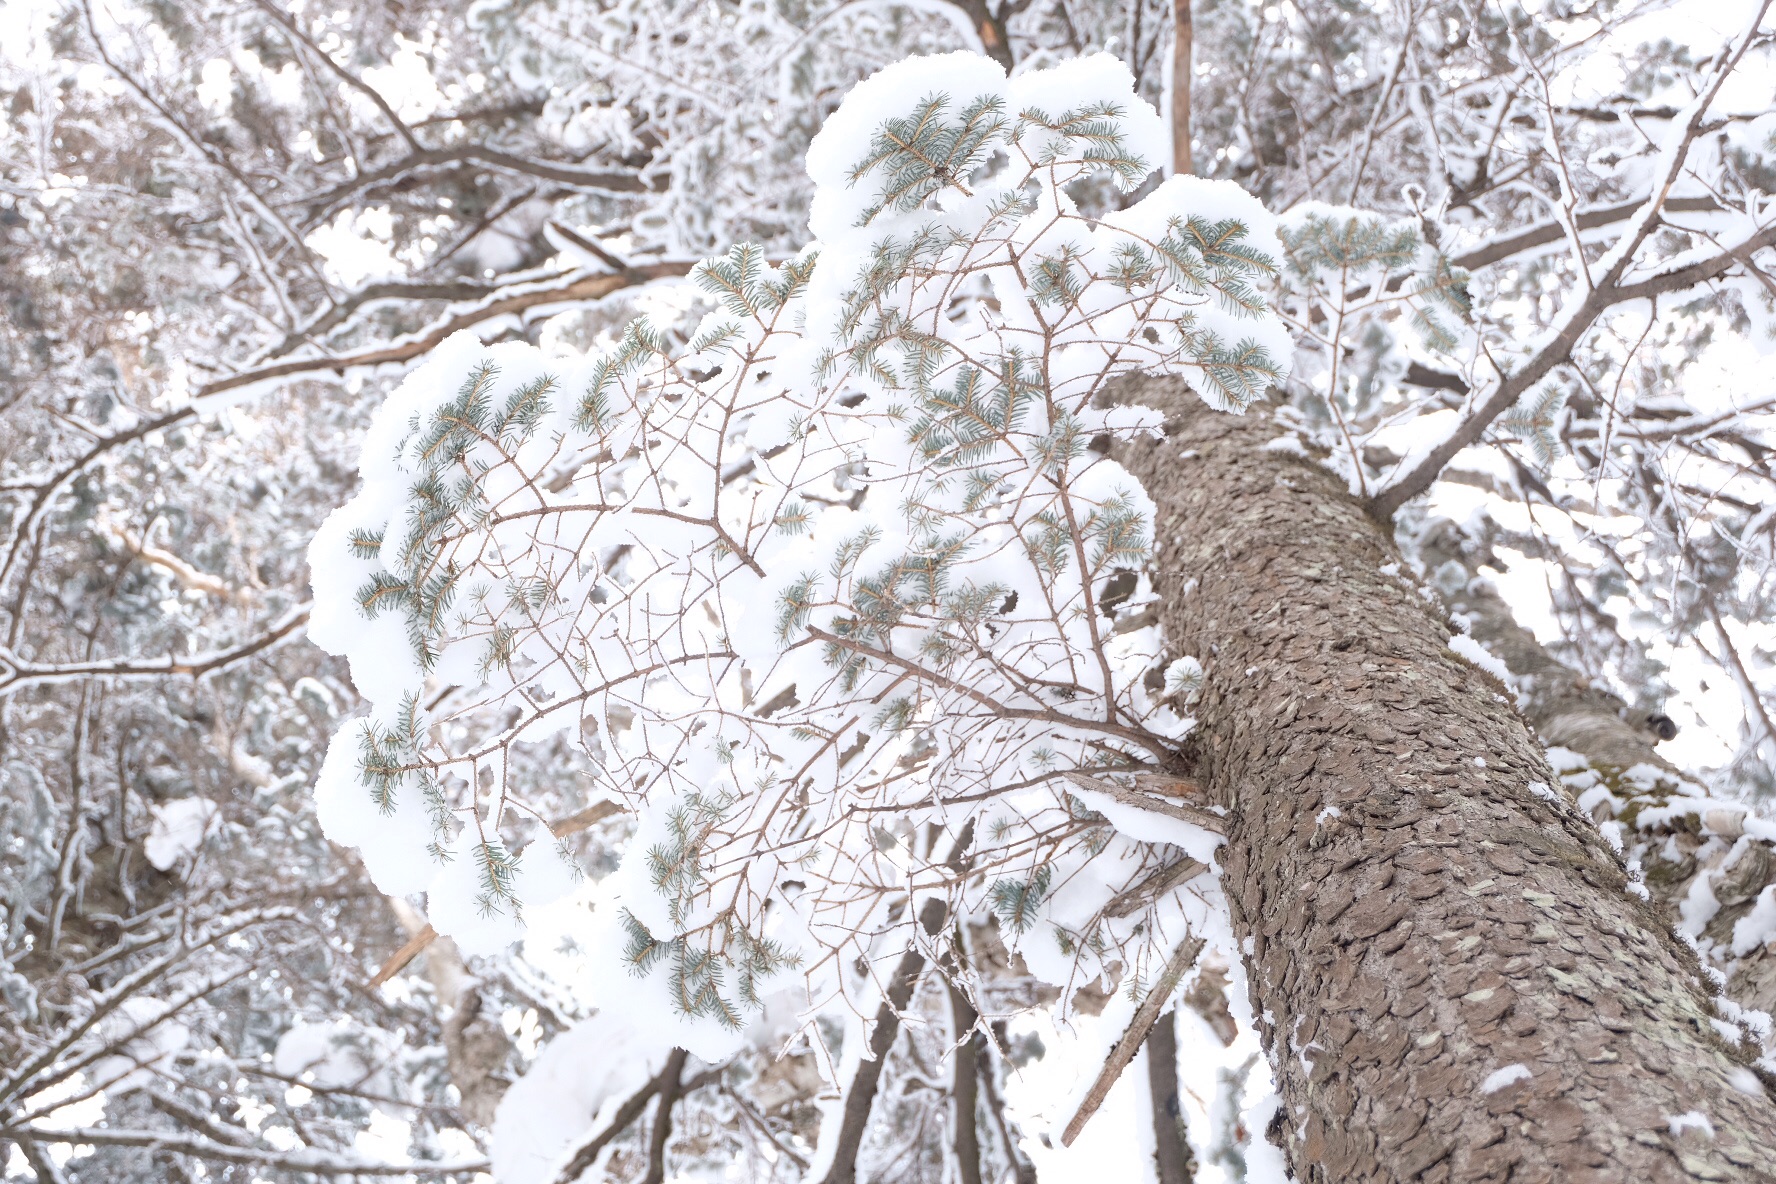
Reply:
x=861, y=1097
x=1555, y=352
x=1544, y=234
x=671, y=1084
x=15, y=672
x=965, y=1075
x=1183, y=812
x=631, y=1109
x=1171, y=1150
x=578, y=287
x=321, y=1163
x=561, y=172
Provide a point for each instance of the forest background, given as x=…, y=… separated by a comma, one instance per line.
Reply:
x=229, y=230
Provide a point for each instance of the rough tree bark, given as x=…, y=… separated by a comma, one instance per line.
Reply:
x=1419, y=910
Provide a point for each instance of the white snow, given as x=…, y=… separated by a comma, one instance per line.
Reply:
x=569, y=1093
x=1474, y=652
x=1693, y=1120
x=1758, y=927
x=179, y=829
x=1500, y=1078
x=1745, y=1081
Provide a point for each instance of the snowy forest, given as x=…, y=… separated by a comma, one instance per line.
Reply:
x=876, y=591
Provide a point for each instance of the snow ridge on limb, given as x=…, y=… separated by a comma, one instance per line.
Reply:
x=824, y=583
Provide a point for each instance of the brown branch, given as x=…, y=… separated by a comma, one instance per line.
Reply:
x=1124, y=1052
x=862, y=1095
x=989, y=26
x=320, y=1163
x=963, y=1094
x=671, y=1084
x=1182, y=42
x=582, y=287
x=591, y=816
x=1194, y=815
x=627, y=1113
x=398, y=960
x=343, y=308
x=1677, y=279
x=1546, y=233
x=1154, y=886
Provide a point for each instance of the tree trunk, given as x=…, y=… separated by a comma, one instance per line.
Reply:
x=1450, y=975
x=1183, y=38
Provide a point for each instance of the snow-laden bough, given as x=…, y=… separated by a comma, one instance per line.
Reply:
x=844, y=578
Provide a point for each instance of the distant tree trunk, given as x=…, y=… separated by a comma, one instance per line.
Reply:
x=1451, y=977
x=1183, y=38
x=1171, y=1147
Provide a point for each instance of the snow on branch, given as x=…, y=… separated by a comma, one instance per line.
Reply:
x=822, y=583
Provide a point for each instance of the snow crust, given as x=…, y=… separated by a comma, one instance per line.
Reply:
x=1476, y=653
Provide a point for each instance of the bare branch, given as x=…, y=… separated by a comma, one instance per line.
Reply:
x=579, y=287
x=624, y=181
x=352, y=80
x=322, y=1163
x=965, y=1080
x=1171, y=1150
x=1124, y=1052
x=1578, y=318
x=861, y=1096
x=16, y=672
x=671, y=1085
x=587, y=1153
x=1194, y=815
